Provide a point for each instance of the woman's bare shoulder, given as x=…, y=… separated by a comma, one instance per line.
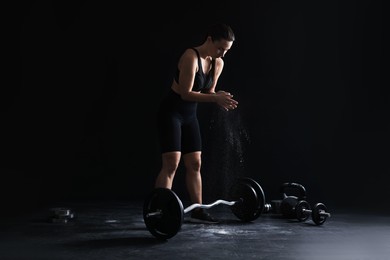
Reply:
x=188, y=56
x=188, y=53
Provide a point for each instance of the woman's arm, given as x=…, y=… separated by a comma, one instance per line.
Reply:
x=188, y=66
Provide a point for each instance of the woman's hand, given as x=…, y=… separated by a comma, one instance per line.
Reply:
x=225, y=100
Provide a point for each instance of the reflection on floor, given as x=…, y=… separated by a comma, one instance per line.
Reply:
x=116, y=230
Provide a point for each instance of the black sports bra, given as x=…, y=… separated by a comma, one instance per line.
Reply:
x=201, y=80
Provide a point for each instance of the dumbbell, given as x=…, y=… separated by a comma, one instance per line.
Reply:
x=163, y=211
x=318, y=214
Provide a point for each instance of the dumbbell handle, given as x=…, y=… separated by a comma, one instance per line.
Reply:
x=321, y=212
x=207, y=206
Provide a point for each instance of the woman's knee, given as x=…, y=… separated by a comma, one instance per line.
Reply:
x=170, y=168
x=170, y=164
x=193, y=164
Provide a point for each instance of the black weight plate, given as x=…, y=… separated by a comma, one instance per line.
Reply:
x=246, y=207
x=299, y=210
x=169, y=222
x=315, y=214
x=259, y=192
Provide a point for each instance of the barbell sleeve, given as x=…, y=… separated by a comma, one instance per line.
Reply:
x=153, y=214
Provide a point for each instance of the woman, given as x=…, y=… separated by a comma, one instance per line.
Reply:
x=195, y=81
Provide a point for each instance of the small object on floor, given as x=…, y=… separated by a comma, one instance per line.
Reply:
x=61, y=215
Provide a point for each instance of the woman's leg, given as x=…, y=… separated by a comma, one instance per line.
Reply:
x=170, y=162
x=192, y=163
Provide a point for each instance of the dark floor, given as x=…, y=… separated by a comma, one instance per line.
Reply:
x=116, y=230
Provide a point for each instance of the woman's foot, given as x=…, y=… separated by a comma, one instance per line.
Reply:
x=202, y=216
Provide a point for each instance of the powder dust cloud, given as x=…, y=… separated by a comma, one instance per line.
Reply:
x=225, y=138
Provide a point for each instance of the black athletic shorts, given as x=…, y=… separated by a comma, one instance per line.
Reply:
x=178, y=125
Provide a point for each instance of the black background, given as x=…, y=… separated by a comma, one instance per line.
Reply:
x=86, y=78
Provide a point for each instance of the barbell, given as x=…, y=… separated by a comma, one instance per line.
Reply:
x=163, y=211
